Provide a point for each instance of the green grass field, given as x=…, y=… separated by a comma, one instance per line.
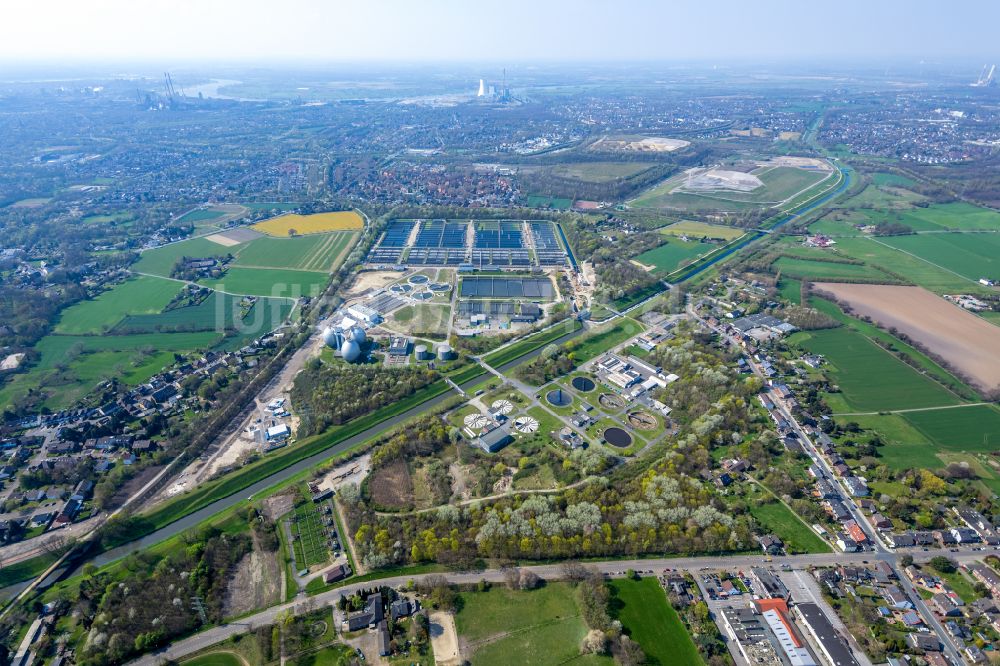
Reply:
x=161, y=260
x=72, y=365
x=598, y=172
x=540, y=626
x=973, y=255
x=274, y=282
x=891, y=180
x=975, y=428
x=141, y=295
x=309, y=253
x=669, y=256
x=545, y=201
x=601, y=340
x=702, y=230
x=649, y=619
x=881, y=252
x=871, y=379
x=798, y=538
x=827, y=270
x=791, y=290
x=215, y=659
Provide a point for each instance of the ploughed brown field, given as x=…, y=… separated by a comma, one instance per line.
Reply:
x=968, y=343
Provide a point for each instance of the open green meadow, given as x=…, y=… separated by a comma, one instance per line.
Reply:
x=870, y=379
x=828, y=270
x=974, y=428
x=72, y=365
x=141, y=295
x=540, y=626
x=546, y=201
x=315, y=252
x=973, y=255
x=598, y=172
x=881, y=252
x=275, y=282
x=790, y=289
x=161, y=260
x=219, y=312
x=309, y=253
x=669, y=256
x=702, y=230
x=650, y=620
x=891, y=180
x=601, y=340
x=777, y=518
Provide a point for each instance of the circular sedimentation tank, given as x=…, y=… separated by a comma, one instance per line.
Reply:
x=418, y=279
x=584, y=384
x=617, y=437
x=559, y=398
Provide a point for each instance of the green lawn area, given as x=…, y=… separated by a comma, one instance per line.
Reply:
x=780, y=520
x=870, y=378
x=334, y=655
x=593, y=344
x=891, y=180
x=141, y=295
x=669, y=256
x=959, y=582
x=215, y=659
x=649, y=619
x=540, y=626
x=274, y=282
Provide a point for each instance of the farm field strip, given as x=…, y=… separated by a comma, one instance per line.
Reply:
x=139, y=295
x=870, y=378
x=967, y=342
x=311, y=224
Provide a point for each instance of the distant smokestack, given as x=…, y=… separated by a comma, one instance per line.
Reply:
x=482, y=88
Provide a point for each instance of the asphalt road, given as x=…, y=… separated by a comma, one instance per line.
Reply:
x=612, y=568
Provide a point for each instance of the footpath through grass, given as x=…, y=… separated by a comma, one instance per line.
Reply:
x=650, y=620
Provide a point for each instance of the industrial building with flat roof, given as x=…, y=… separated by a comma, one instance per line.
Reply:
x=816, y=623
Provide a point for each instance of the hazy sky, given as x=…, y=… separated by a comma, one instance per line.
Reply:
x=264, y=31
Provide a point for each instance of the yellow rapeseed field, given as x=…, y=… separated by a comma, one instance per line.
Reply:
x=317, y=223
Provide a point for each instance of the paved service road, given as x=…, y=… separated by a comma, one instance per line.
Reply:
x=612, y=568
